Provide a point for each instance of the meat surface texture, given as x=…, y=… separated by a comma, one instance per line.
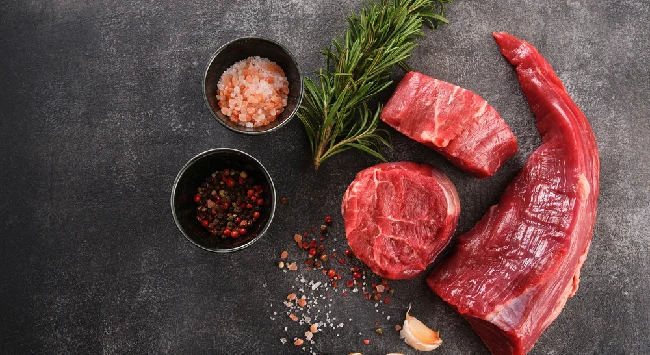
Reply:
x=455, y=122
x=399, y=216
x=511, y=275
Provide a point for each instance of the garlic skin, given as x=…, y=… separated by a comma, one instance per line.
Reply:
x=418, y=335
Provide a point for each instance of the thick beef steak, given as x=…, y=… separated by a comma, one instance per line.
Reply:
x=399, y=216
x=455, y=122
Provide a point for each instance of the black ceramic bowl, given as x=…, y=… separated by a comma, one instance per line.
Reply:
x=194, y=173
x=243, y=48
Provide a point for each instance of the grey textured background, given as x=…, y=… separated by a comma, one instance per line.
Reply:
x=101, y=106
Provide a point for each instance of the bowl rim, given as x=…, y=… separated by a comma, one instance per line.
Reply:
x=207, y=153
x=253, y=133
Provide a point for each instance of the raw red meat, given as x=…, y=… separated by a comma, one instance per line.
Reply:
x=399, y=216
x=511, y=275
x=456, y=122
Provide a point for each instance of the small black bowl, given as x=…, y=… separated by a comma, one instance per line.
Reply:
x=194, y=173
x=240, y=49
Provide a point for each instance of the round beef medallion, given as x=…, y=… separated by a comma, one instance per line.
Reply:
x=399, y=216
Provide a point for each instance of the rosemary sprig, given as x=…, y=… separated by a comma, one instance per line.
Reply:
x=335, y=109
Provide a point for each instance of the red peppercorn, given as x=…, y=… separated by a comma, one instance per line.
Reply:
x=205, y=222
x=213, y=212
x=349, y=283
x=251, y=192
x=197, y=198
x=366, y=341
x=226, y=172
x=356, y=275
x=243, y=224
x=348, y=252
x=312, y=251
x=283, y=200
x=331, y=273
x=328, y=219
x=249, y=206
x=242, y=181
x=341, y=261
x=259, y=201
x=256, y=215
x=237, y=220
x=225, y=205
x=234, y=234
x=387, y=300
x=230, y=182
x=226, y=232
x=242, y=231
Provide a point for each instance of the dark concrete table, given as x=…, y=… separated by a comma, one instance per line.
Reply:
x=101, y=105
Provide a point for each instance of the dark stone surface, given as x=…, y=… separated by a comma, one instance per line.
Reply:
x=102, y=105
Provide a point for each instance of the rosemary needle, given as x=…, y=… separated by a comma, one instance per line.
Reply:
x=335, y=109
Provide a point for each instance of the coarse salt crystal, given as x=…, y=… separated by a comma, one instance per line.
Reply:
x=315, y=286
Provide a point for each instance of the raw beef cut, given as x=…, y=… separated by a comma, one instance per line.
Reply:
x=511, y=275
x=455, y=122
x=399, y=216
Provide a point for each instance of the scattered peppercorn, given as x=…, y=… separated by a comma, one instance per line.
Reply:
x=379, y=331
x=283, y=200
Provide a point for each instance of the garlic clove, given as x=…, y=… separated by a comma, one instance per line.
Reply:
x=418, y=335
